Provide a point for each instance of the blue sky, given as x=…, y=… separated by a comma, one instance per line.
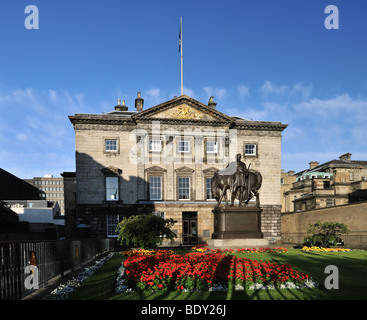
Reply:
x=262, y=60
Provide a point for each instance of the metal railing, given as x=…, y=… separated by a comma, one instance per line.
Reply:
x=49, y=258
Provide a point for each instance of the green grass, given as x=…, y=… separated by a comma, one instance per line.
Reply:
x=352, y=268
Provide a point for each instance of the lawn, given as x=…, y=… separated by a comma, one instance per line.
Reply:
x=351, y=266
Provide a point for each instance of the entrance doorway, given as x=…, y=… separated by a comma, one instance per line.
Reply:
x=189, y=227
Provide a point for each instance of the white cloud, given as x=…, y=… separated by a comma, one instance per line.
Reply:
x=243, y=91
x=217, y=93
x=21, y=137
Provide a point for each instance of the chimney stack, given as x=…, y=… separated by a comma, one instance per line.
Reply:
x=139, y=102
x=120, y=107
x=313, y=164
x=211, y=103
x=345, y=157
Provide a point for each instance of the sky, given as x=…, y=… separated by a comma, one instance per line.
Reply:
x=262, y=60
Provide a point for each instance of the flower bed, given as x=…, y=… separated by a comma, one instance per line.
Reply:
x=64, y=290
x=205, y=271
x=204, y=248
x=321, y=249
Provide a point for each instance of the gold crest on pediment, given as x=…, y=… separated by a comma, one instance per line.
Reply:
x=185, y=111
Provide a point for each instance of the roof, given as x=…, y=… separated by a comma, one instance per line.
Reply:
x=334, y=163
x=179, y=110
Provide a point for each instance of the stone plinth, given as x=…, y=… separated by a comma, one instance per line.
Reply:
x=237, y=243
x=232, y=222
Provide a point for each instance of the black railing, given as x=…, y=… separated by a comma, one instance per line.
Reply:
x=46, y=260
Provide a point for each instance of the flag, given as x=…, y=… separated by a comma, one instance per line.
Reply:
x=179, y=37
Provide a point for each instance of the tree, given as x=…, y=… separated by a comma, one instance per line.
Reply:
x=145, y=231
x=326, y=232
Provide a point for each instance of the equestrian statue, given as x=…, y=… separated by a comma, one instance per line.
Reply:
x=241, y=182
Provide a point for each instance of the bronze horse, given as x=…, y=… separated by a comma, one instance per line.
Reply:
x=221, y=183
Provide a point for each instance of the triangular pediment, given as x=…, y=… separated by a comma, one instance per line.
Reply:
x=184, y=109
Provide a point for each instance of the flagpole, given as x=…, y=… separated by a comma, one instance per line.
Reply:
x=181, y=56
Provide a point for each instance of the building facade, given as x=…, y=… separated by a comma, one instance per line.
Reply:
x=50, y=188
x=334, y=183
x=162, y=160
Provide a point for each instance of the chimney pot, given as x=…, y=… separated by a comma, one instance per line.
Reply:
x=139, y=102
x=211, y=103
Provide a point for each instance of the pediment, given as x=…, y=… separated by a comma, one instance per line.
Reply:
x=184, y=169
x=155, y=169
x=184, y=109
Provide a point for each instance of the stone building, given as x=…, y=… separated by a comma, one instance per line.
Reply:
x=50, y=188
x=162, y=159
x=334, y=183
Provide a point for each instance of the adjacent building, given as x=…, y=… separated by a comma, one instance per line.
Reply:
x=50, y=188
x=333, y=183
x=162, y=159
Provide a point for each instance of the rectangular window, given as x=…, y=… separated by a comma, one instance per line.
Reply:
x=155, y=145
x=183, y=146
x=183, y=188
x=211, y=147
x=159, y=214
x=112, y=189
x=250, y=149
x=208, y=189
x=155, y=188
x=112, y=221
x=111, y=145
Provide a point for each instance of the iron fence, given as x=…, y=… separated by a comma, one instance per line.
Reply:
x=49, y=258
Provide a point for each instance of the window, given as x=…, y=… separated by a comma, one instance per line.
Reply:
x=111, y=145
x=250, y=149
x=112, y=188
x=211, y=147
x=154, y=145
x=155, y=188
x=183, y=188
x=112, y=221
x=208, y=189
x=159, y=214
x=183, y=146
x=329, y=202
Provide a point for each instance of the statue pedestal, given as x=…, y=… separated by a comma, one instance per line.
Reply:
x=233, y=222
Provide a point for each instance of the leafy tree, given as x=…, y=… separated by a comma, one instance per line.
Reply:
x=145, y=231
x=326, y=232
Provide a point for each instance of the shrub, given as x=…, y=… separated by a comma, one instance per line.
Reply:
x=325, y=233
x=145, y=231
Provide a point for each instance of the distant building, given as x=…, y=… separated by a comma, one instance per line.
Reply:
x=336, y=182
x=162, y=159
x=286, y=181
x=50, y=188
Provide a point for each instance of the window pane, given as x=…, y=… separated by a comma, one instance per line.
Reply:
x=155, y=188
x=111, y=145
x=208, y=188
x=250, y=149
x=184, y=146
x=112, y=221
x=155, y=145
x=184, y=188
x=211, y=146
x=112, y=188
